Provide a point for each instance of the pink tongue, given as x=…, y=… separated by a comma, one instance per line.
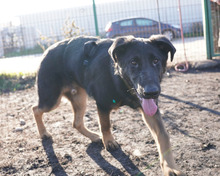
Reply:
x=149, y=106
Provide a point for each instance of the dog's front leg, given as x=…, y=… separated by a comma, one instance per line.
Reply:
x=162, y=140
x=105, y=126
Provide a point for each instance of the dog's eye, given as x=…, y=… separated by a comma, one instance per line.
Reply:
x=155, y=61
x=134, y=62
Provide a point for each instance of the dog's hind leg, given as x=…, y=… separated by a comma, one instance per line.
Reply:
x=105, y=126
x=49, y=99
x=38, y=111
x=162, y=140
x=78, y=100
x=38, y=114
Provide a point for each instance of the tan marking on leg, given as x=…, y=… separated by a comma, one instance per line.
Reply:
x=105, y=126
x=162, y=140
x=79, y=101
x=38, y=114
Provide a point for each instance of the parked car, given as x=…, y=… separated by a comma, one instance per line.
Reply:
x=140, y=27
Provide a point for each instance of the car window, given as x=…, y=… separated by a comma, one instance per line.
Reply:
x=144, y=22
x=126, y=23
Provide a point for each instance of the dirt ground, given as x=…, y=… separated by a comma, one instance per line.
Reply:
x=190, y=104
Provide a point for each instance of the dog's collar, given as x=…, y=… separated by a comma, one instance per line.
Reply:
x=132, y=92
x=130, y=86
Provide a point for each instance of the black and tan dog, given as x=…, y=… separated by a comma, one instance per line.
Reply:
x=124, y=71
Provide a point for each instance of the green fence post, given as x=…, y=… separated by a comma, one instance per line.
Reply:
x=207, y=29
x=95, y=19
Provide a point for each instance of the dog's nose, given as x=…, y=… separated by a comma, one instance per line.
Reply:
x=151, y=92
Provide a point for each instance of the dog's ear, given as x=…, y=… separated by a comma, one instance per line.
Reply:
x=90, y=48
x=163, y=44
x=119, y=46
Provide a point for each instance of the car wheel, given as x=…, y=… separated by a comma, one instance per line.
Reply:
x=169, y=34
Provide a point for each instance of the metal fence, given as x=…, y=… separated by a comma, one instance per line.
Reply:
x=34, y=32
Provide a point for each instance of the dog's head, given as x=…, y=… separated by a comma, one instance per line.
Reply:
x=141, y=63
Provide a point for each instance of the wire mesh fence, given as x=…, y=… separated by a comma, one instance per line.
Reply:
x=33, y=33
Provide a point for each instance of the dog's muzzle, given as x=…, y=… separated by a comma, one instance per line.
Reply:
x=148, y=97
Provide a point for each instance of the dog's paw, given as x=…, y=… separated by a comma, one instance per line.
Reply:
x=111, y=145
x=173, y=172
x=96, y=138
x=109, y=142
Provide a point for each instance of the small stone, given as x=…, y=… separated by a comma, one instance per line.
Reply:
x=20, y=150
x=162, y=112
x=18, y=129
x=22, y=122
x=137, y=153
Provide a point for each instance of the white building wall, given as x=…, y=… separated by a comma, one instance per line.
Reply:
x=1, y=47
x=29, y=36
x=51, y=23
